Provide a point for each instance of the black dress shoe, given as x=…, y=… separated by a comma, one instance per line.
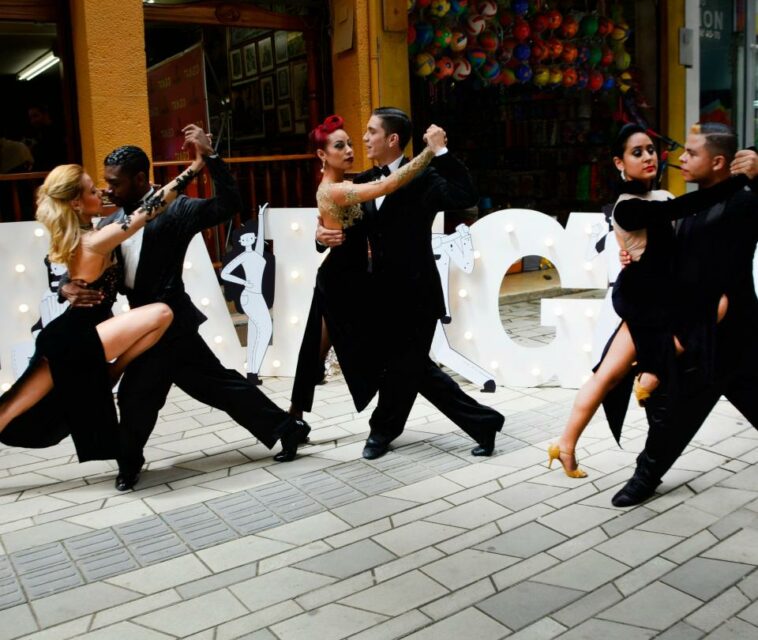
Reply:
x=294, y=434
x=126, y=479
x=634, y=492
x=374, y=449
x=489, y=387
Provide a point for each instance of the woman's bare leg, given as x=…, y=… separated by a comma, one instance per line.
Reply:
x=24, y=396
x=616, y=364
x=126, y=336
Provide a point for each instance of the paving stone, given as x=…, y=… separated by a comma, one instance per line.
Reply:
x=425, y=491
x=604, y=630
x=524, y=541
x=244, y=513
x=78, y=602
x=715, y=612
x=690, y=547
x=705, y=578
x=142, y=529
x=10, y=593
x=628, y=520
x=643, y=575
x=51, y=579
x=682, y=520
x=635, y=547
x=734, y=629
x=586, y=572
x=16, y=622
x=657, y=606
x=39, y=558
x=332, y=622
x=524, y=495
x=236, y=553
x=527, y=602
x=720, y=501
x=307, y=529
x=364, y=478
x=471, y=515
x=347, y=561
x=414, y=536
x=681, y=631
x=198, y=526
x=733, y=522
x=465, y=567
x=106, y=563
x=369, y=509
x=326, y=489
x=741, y=547
x=576, y=518
x=396, y=627
x=277, y=586
x=91, y=543
x=157, y=549
x=469, y=623
x=286, y=501
x=398, y=595
x=588, y=606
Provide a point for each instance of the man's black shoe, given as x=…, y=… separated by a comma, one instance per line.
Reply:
x=374, y=448
x=126, y=479
x=294, y=434
x=489, y=387
x=634, y=492
x=485, y=447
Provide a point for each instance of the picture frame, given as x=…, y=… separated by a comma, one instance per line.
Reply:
x=247, y=111
x=283, y=83
x=250, y=59
x=268, y=101
x=265, y=55
x=284, y=117
x=280, y=46
x=295, y=44
x=235, y=64
x=299, y=75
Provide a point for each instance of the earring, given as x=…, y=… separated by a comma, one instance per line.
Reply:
x=623, y=176
x=323, y=165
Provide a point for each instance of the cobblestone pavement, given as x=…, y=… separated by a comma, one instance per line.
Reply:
x=427, y=542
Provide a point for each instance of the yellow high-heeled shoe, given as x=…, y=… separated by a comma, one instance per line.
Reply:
x=554, y=453
x=641, y=393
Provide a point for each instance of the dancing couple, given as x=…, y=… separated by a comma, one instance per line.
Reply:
x=685, y=297
x=378, y=295
x=140, y=250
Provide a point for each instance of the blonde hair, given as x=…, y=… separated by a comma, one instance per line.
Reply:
x=54, y=210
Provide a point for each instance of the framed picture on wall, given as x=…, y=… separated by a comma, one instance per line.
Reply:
x=265, y=55
x=251, y=59
x=247, y=111
x=283, y=83
x=267, y=92
x=295, y=44
x=284, y=117
x=235, y=64
x=300, y=90
x=280, y=46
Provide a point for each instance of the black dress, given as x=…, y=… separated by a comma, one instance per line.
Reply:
x=343, y=298
x=81, y=401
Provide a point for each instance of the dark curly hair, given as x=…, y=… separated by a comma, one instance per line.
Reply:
x=319, y=136
x=131, y=159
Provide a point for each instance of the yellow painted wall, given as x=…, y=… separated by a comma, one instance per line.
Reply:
x=373, y=73
x=674, y=99
x=111, y=81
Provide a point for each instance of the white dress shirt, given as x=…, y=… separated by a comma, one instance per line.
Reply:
x=131, y=249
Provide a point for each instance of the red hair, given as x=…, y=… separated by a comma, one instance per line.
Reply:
x=320, y=134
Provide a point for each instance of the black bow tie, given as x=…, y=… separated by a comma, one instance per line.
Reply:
x=385, y=170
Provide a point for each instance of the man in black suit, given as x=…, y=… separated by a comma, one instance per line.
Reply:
x=153, y=260
x=714, y=255
x=408, y=286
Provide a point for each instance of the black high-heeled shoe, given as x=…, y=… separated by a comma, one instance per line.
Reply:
x=293, y=435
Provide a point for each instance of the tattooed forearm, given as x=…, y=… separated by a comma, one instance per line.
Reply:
x=180, y=184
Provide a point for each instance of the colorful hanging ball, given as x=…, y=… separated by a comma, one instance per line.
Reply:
x=521, y=30
x=569, y=77
x=625, y=81
x=554, y=47
x=522, y=52
x=439, y=8
x=584, y=54
x=539, y=51
x=609, y=82
x=604, y=26
x=554, y=19
x=458, y=7
x=475, y=24
x=606, y=59
x=520, y=7
x=556, y=75
x=524, y=73
x=424, y=34
x=622, y=60
x=490, y=69
x=476, y=57
x=570, y=53
x=489, y=41
x=589, y=25
x=507, y=77
x=569, y=27
x=486, y=8
x=442, y=37
x=458, y=40
x=423, y=4
x=595, y=55
x=507, y=46
x=443, y=68
x=541, y=76
x=539, y=23
x=411, y=33
x=581, y=79
x=461, y=68
x=620, y=32
x=411, y=5
x=423, y=64
x=596, y=80
x=506, y=18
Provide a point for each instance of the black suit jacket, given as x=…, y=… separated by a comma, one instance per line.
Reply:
x=400, y=236
x=165, y=242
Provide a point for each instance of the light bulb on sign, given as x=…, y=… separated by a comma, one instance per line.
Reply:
x=39, y=232
x=218, y=339
x=187, y=264
x=509, y=228
x=589, y=312
x=295, y=226
x=23, y=308
x=276, y=364
x=294, y=274
x=477, y=255
x=549, y=242
x=205, y=302
x=5, y=386
x=468, y=335
x=494, y=364
x=587, y=347
x=294, y=320
x=588, y=266
x=536, y=371
x=462, y=293
x=125, y=307
x=20, y=268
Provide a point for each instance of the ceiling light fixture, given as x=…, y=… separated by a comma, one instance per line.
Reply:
x=38, y=66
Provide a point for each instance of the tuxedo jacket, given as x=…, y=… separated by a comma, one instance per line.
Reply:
x=400, y=237
x=164, y=245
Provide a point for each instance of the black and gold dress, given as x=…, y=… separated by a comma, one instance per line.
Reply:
x=81, y=401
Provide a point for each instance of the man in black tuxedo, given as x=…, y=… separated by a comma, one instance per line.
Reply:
x=153, y=260
x=408, y=286
x=714, y=255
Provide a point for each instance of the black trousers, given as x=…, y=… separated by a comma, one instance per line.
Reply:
x=188, y=362
x=410, y=372
x=673, y=424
